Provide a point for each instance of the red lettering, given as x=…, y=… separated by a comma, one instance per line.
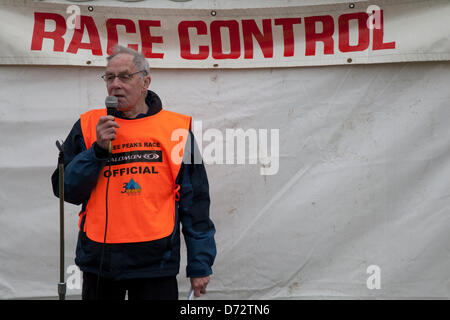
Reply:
x=148, y=39
x=288, y=33
x=185, y=43
x=113, y=38
x=265, y=41
x=344, y=32
x=378, y=35
x=326, y=36
x=94, y=45
x=39, y=32
x=216, y=39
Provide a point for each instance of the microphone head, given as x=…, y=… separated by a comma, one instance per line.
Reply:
x=111, y=104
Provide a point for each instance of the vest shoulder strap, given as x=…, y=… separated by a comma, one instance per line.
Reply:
x=88, y=125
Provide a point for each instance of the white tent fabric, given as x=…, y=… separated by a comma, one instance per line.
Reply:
x=362, y=182
x=363, y=177
x=202, y=4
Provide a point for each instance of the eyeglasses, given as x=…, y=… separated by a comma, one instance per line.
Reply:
x=124, y=77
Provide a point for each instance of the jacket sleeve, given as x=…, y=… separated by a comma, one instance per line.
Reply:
x=197, y=227
x=81, y=167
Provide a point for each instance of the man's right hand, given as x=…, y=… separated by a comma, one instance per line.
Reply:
x=106, y=131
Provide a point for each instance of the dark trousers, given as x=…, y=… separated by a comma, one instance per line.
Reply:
x=165, y=288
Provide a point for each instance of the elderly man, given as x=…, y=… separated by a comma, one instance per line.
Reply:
x=134, y=198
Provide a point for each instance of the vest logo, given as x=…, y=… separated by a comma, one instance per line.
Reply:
x=131, y=188
x=136, y=156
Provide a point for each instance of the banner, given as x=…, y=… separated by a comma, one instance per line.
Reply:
x=356, y=33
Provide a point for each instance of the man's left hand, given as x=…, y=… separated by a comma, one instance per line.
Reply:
x=199, y=285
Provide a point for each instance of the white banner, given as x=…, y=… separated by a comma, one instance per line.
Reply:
x=342, y=33
x=43, y=33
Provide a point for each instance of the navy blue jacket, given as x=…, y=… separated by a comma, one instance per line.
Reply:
x=156, y=258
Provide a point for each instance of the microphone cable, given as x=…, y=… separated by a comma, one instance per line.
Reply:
x=111, y=105
x=100, y=269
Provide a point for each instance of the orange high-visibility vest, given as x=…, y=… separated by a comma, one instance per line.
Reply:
x=145, y=161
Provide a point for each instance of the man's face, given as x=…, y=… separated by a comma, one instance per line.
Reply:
x=127, y=92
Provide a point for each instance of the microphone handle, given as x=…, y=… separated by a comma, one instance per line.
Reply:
x=110, y=112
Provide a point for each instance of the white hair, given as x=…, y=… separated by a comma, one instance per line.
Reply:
x=138, y=59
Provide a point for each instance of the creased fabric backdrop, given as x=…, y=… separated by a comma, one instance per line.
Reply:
x=364, y=161
x=363, y=177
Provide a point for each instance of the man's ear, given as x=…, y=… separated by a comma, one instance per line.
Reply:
x=147, y=81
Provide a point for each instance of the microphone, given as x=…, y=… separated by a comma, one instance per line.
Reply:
x=111, y=105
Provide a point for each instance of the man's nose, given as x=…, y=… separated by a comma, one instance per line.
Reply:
x=116, y=83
